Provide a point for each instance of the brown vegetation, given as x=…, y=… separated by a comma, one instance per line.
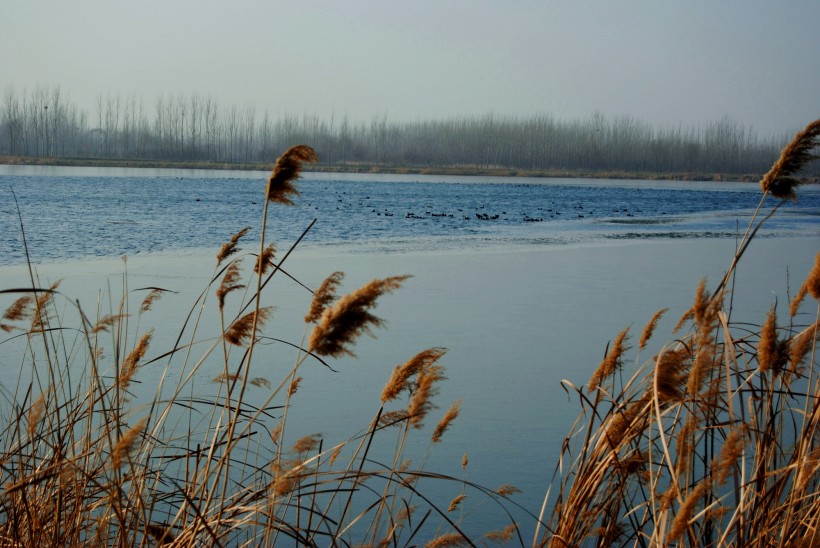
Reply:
x=715, y=441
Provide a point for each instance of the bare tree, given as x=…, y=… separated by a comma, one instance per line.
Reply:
x=45, y=122
x=13, y=122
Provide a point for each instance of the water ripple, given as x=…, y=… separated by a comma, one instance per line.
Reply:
x=70, y=217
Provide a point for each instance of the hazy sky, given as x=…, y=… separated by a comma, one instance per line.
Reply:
x=662, y=61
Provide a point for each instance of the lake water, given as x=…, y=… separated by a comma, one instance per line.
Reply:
x=521, y=301
x=72, y=213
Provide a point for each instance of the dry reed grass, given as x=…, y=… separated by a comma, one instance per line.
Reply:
x=85, y=460
x=714, y=441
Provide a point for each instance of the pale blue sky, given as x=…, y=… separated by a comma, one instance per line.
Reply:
x=662, y=61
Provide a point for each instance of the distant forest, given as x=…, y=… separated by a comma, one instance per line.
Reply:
x=46, y=123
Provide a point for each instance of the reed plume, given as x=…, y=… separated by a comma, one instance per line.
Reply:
x=506, y=490
x=670, y=375
x=225, y=378
x=106, y=322
x=150, y=299
x=504, y=535
x=40, y=316
x=446, y=420
x=324, y=296
x=18, y=310
x=447, y=541
x=649, y=330
x=288, y=480
x=685, y=317
x=392, y=418
x=421, y=400
x=289, y=475
x=240, y=331
x=811, y=285
x=772, y=353
x=229, y=283
x=294, y=386
x=794, y=306
x=306, y=444
x=701, y=307
x=705, y=317
x=454, y=504
x=129, y=364
x=732, y=449
x=611, y=362
x=276, y=432
x=231, y=246
x=265, y=260
x=403, y=373
x=780, y=181
x=286, y=170
x=681, y=522
x=126, y=444
x=812, y=282
x=35, y=413
x=621, y=423
x=341, y=324
x=800, y=346
x=335, y=454
x=260, y=382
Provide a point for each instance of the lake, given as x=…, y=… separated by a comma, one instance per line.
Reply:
x=524, y=281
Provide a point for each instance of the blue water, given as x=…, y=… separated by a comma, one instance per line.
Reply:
x=74, y=214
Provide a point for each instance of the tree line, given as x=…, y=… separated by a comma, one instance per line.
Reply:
x=46, y=123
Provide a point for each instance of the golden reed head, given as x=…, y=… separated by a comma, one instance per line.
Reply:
x=286, y=170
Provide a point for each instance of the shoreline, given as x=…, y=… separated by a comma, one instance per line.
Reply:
x=368, y=168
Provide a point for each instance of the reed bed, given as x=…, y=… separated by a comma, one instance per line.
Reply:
x=87, y=459
x=715, y=441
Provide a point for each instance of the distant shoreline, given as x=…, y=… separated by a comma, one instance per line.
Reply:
x=461, y=170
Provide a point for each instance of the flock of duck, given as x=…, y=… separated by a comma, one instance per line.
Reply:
x=348, y=203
